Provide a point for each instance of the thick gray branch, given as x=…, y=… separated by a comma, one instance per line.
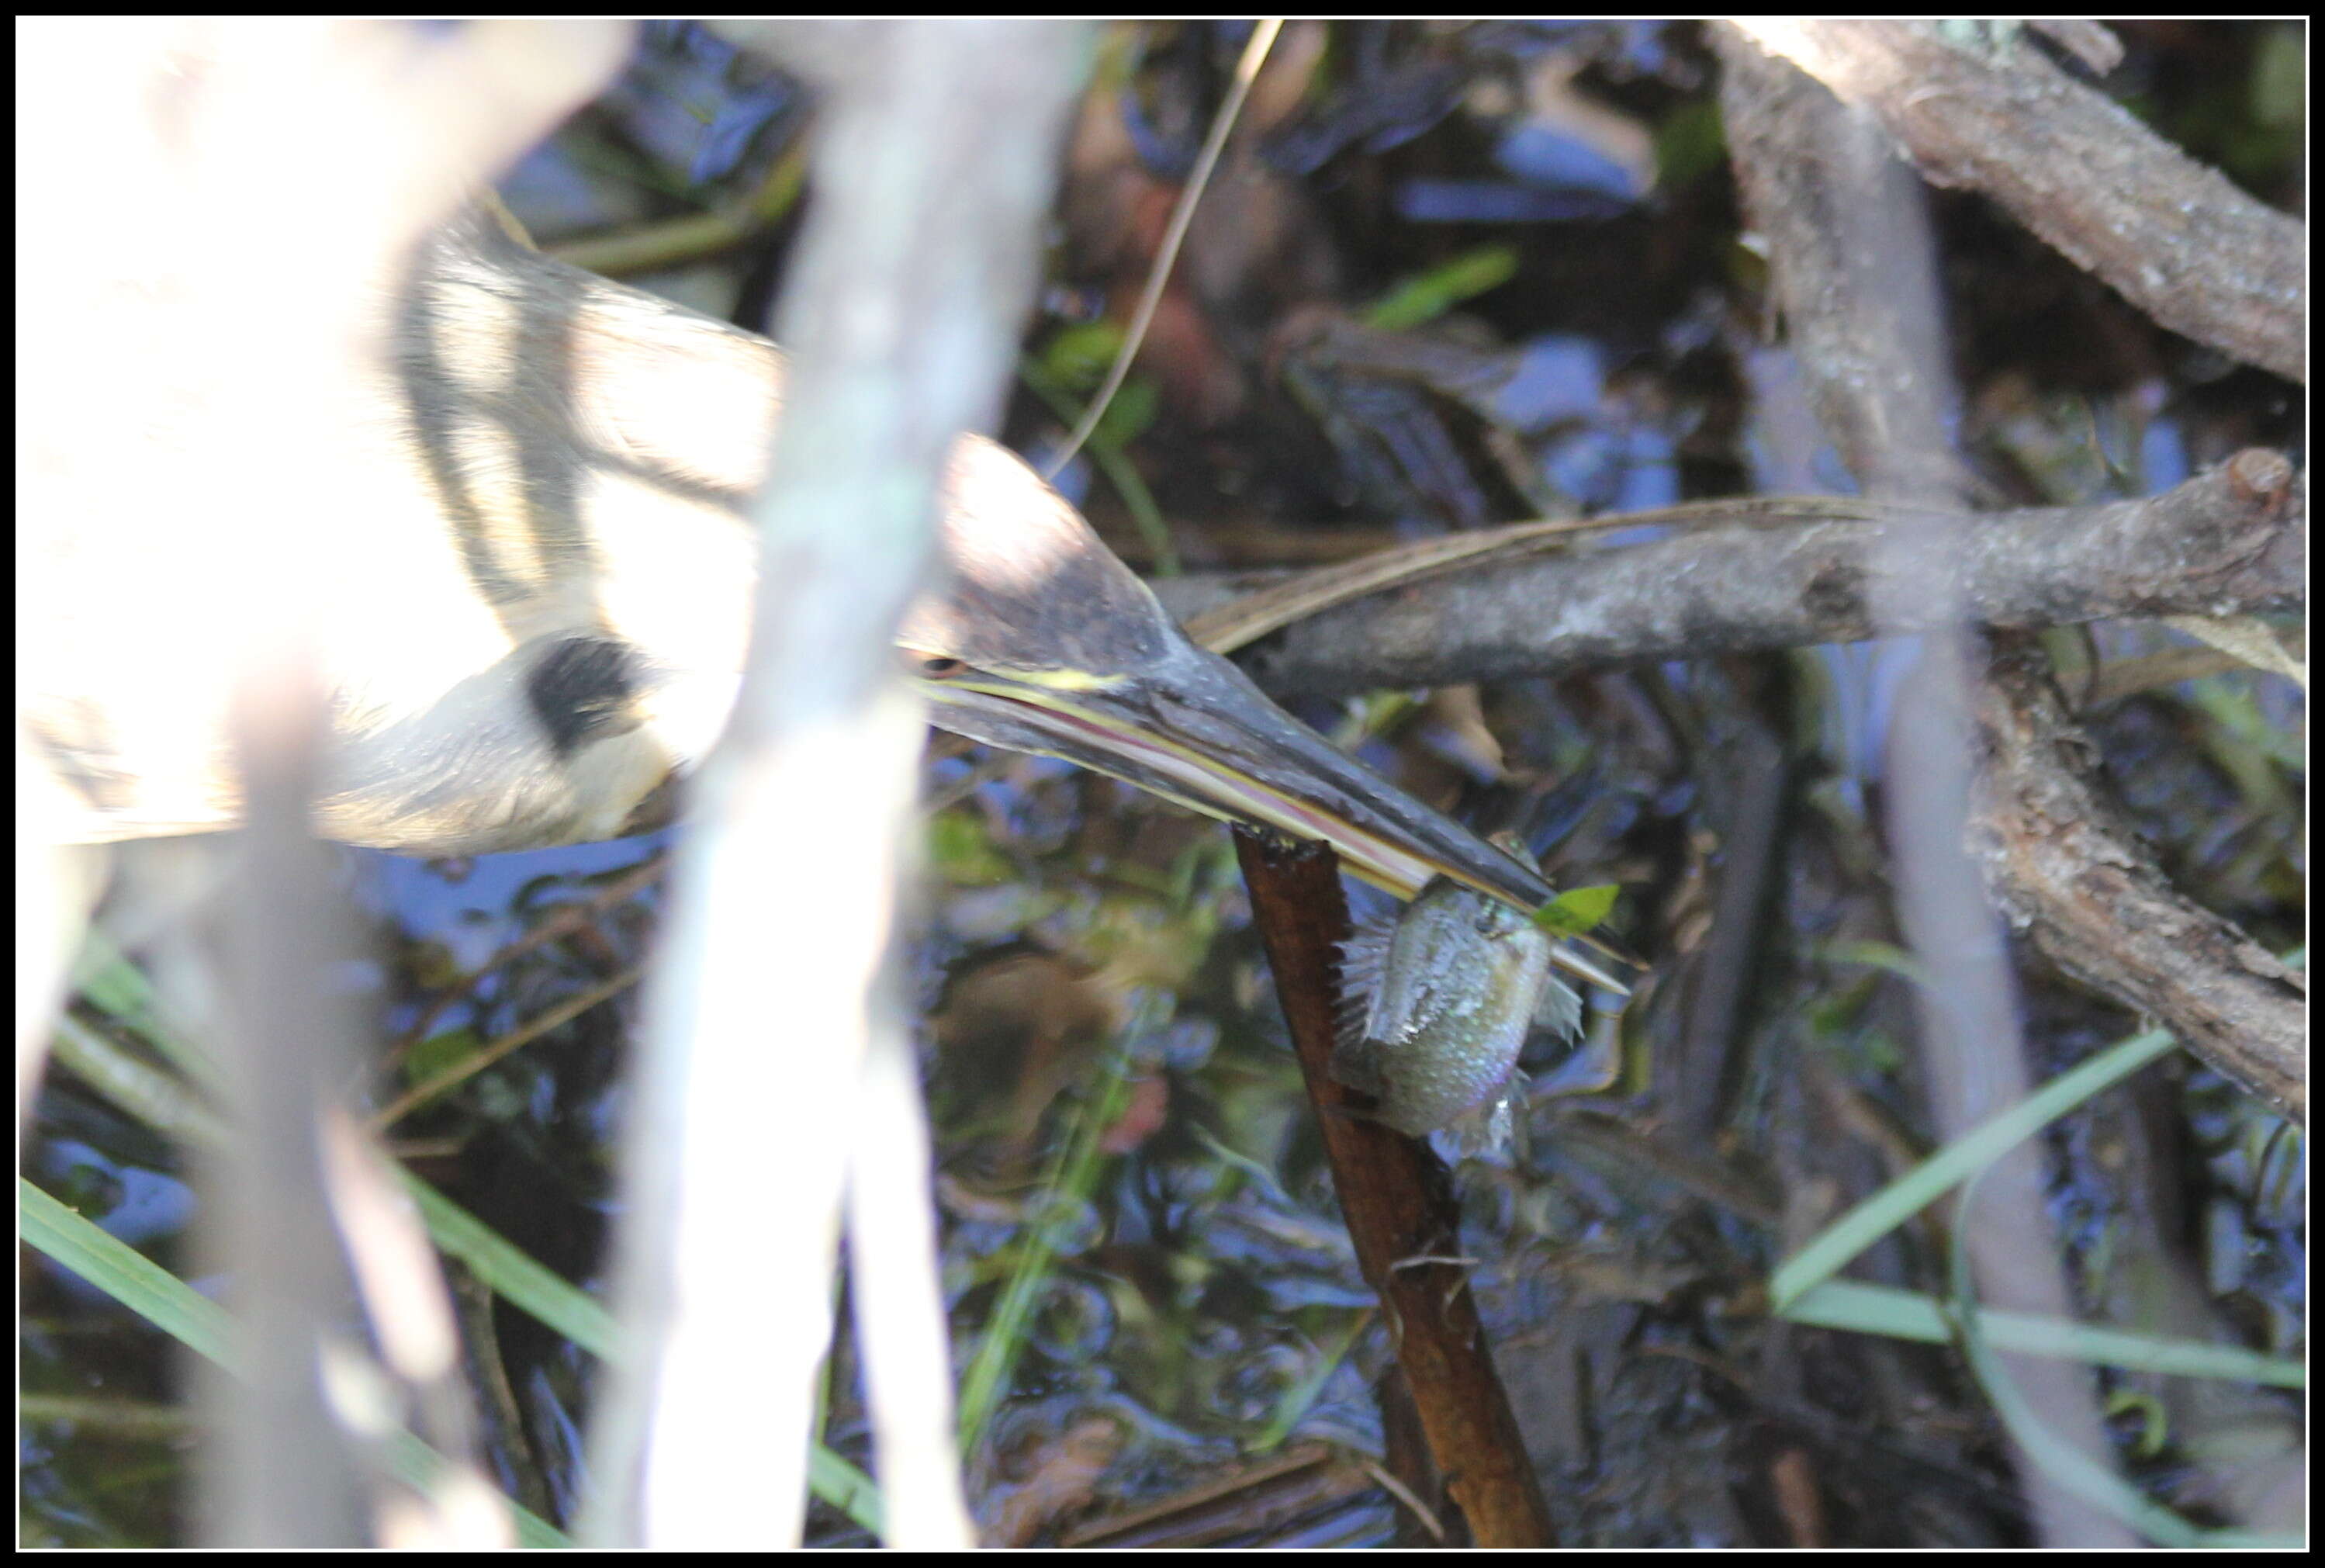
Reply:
x=2232, y=540
x=2174, y=237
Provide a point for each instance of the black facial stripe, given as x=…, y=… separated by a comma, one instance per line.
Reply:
x=582, y=688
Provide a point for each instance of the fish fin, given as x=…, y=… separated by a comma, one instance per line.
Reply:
x=1356, y=1063
x=1560, y=1010
x=1363, y=959
x=1365, y=954
x=1484, y=1130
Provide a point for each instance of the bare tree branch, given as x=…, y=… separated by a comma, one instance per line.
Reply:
x=2174, y=237
x=1397, y=1198
x=1853, y=262
x=2232, y=540
x=2075, y=880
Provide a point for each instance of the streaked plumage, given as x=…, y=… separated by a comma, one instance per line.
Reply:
x=551, y=594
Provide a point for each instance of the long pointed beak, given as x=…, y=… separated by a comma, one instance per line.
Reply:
x=1194, y=729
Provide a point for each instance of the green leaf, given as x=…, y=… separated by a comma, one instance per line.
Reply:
x=1134, y=408
x=441, y=1053
x=1423, y=298
x=1080, y=356
x=1578, y=909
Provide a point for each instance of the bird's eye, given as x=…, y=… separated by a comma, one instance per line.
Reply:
x=938, y=667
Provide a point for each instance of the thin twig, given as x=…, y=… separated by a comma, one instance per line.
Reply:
x=1247, y=72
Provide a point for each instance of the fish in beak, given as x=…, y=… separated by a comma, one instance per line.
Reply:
x=1044, y=641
